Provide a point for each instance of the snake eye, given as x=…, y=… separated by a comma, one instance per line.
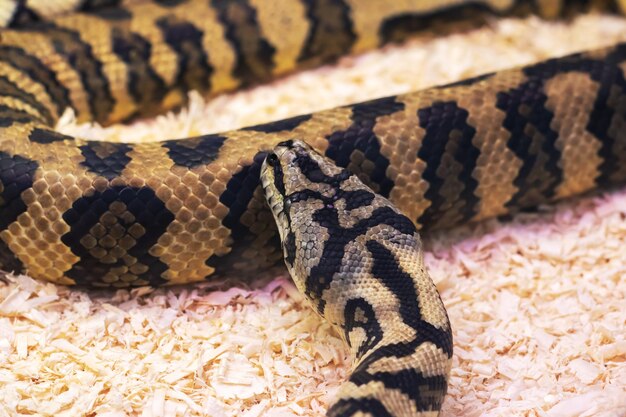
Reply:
x=272, y=159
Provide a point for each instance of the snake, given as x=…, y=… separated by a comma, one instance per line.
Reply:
x=340, y=196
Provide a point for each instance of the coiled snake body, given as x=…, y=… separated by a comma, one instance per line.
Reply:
x=110, y=214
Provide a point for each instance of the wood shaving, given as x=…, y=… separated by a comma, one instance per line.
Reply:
x=537, y=304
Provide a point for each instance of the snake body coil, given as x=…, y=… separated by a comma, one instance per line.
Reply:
x=74, y=211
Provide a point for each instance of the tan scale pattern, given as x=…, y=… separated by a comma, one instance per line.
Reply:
x=390, y=398
x=431, y=308
x=430, y=361
x=401, y=135
x=149, y=167
x=97, y=33
x=366, y=18
x=22, y=106
x=220, y=54
x=579, y=149
x=39, y=46
x=163, y=60
x=495, y=175
x=35, y=237
x=286, y=28
x=28, y=85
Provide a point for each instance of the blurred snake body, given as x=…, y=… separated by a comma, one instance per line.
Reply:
x=348, y=187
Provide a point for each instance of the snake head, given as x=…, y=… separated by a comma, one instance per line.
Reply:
x=299, y=183
x=294, y=172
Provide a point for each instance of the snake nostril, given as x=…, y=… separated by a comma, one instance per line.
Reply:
x=272, y=159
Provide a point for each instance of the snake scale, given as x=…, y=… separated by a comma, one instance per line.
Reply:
x=348, y=187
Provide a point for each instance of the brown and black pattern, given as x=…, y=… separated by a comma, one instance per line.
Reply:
x=254, y=53
x=74, y=211
x=330, y=32
x=194, y=71
x=145, y=86
x=112, y=233
x=449, y=163
x=358, y=148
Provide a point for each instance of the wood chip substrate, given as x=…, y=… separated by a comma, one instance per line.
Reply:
x=538, y=303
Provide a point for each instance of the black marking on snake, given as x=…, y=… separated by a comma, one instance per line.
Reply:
x=468, y=81
x=79, y=55
x=46, y=136
x=170, y=3
x=360, y=136
x=353, y=199
x=194, y=71
x=88, y=5
x=22, y=15
x=279, y=180
x=527, y=118
x=8, y=261
x=443, y=20
x=387, y=270
x=356, y=199
x=312, y=171
x=144, y=83
x=114, y=14
x=142, y=220
x=607, y=118
x=352, y=407
x=17, y=174
x=255, y=55
x=39, y=73
x=427, y=392
x=239, y=192
x=306, y=194
x=533, y=141
x=331, y=34
x=194, y=152
x=9, y=116
x=281, y=125
x=290, y=248
x=359, y=314
x=237, y=197
x=105, y=158
x=334, y=248
x=10, y=89
x=450, y=160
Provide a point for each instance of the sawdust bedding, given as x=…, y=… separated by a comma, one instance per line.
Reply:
x=537, y=303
